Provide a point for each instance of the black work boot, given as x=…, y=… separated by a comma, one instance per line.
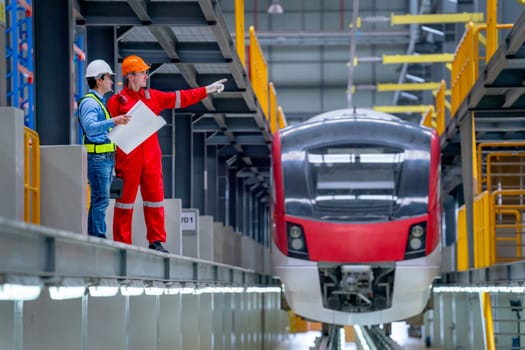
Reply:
x=157, y=246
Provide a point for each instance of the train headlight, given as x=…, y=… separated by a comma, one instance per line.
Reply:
x=417, y=231
x=297, y=244
x=295, y=231
x=296, y=241
x=415, y=243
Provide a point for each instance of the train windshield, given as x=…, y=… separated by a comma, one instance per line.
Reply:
x=360, y=183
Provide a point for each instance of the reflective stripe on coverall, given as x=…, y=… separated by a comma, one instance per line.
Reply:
x=143, y=166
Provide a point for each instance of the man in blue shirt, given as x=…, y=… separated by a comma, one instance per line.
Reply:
x=96, y=122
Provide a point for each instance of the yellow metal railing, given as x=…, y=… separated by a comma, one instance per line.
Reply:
x=507, y=210
x=440, y=108
x=258, y=72
x=31, y=176
x=489, y=322
x=503, y=145
x=465, y=66
x=501, y=232
x=462, y=258
x=498, y=229
x=281, y=118
x=273, y=109
x=429, y=118
x=504, y=170
x=483, y=234
x=239, y=31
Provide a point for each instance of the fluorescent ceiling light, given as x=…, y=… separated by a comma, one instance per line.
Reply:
x=415, y=78
x=172, y=289
x=188, y=288
x=487, y=289
x=154, y=291
x=263, y=290
x=275, y=8
x=19, y=292
x=131, y=291
x=432, y=30
x=63, y=293
x=409, y=96
x=103, y=291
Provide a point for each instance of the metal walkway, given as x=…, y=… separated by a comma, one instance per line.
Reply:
x=496, y=104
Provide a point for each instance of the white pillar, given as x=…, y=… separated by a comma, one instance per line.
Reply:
x=12, y=163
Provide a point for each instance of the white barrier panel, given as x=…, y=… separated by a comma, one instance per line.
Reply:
x=237, y=236
x=218, y=242
x=247, y=253
x=228, y=245
x=63, y=177
x=259, y=258
x=190, y=232
x=206, y=237
x=172, y=209
x=12, y=163
x=267, y=261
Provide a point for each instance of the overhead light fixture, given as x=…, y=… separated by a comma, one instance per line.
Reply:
x=154, y=288
x=263, y=289
x=104, y=288
x=131, y=291
x=63, y=292
x=275, y=8
x=103, y=291
x=172, y=288
x=19, y=292
x=187, y=288
x=415, y=78
x=480, y=289
x=132, y=288
x=432, y=30
x=409, y=96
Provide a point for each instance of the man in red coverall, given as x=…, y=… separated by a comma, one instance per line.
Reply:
x=143, y=165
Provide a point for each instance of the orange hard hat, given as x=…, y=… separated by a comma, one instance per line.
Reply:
x=133, y=63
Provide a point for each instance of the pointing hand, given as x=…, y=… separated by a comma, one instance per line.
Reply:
x=216, y=87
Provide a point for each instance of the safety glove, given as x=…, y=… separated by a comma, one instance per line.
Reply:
x=216, y=87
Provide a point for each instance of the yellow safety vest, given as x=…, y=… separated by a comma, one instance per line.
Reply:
x=97, y=148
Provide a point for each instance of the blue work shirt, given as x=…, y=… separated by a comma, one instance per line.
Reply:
x=94, y=122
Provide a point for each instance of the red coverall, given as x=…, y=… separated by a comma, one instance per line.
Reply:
x=143, y=166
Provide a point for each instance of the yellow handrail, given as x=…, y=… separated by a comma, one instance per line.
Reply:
x=489, y=324
x=440, y=108
x=273, y=109
x=517, y=226
x=258, y=72
x=281, y=118
x=462, y=255
x=488, y=167
x=483, y=241
x=466, y=60
x=429, y=118
x=483, y=145
x=31, y=176
x=239, y=31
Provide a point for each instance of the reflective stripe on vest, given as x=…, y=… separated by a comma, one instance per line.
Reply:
x=97, y=148
x=103, y=148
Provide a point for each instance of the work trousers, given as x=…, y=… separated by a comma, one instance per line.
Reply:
x=142, y=167
x=100, y=171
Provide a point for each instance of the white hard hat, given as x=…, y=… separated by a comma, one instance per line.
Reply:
x=97, y=68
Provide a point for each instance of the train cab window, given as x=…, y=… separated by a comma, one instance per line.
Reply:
x=362, y=183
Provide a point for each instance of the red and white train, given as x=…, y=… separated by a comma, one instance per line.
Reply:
x=356, y=216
